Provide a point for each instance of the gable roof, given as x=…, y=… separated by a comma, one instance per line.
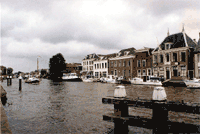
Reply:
x=178, y=40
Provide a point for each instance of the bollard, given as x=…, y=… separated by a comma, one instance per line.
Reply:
x=10, y=80
x=8, y=83
x=160, y=112
x=20, y=83
x=120, y=110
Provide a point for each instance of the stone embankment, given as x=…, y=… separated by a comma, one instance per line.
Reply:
x=5, y=129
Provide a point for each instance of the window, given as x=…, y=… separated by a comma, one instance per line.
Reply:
x=95, y=66
x=115, y=63
x=138, y=63
x=124, y=63
x=102, y=65
x=175, y=71
x=104, y=74
x=124, y=73
x=105, y=65
x=175, y=57
x=129, y=63
x=149, y=72
x=143, y=63
x=167, y=46
x=161, y=58
x=111, y=72
x=144, y=72
x=120, y=63
x=183, y=70
x=115, y=72
x=198, y=57
x=183, y=56
x=199, y=71
x=129, y=73
x=96, y=74
x=167, y=57
x=155, y=59
x=139, y=73
x=111, y=64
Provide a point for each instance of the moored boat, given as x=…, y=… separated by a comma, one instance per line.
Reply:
x=32, y=80
x=71, y=77
x=111, y=79
x=88, y=78
x=151, y=80
x=195, y=83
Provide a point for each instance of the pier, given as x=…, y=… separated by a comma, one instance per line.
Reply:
x=159, y=123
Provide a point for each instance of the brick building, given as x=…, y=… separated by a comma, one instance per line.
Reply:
x=173, y=58
x=142, y=63
x=122, y=63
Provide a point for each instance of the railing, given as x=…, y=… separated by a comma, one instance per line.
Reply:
x=159, y=122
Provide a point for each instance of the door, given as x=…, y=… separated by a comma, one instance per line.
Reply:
x=167, y=74
x=190, y=74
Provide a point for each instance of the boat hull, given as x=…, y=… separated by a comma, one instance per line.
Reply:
x=74, y=79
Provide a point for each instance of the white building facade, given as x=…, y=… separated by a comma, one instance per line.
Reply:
x=101, y=67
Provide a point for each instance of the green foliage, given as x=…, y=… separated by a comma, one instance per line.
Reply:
x=56, y=66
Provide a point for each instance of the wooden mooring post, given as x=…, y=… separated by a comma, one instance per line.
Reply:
x=160, y=124
x=20, y=83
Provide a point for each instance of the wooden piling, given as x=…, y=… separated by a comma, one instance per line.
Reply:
x=20, y=84
x=160, y=118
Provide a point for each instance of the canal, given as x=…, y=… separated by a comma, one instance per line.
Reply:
x=76, y=107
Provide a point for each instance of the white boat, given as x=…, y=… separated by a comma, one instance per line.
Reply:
x=195, y=83
x=88, y=79
x=71, y=77
x=32, y=80
x=136, y=81
x=151, y=80
x=111, y=79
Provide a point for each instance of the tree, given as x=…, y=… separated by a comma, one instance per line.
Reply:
x=56, y=66
x=9, y=71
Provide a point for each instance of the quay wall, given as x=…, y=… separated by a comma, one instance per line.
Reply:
x=5, y=128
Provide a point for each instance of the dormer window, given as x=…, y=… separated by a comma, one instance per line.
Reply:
x=126, y=52
x=119, y=54
x=167, y=46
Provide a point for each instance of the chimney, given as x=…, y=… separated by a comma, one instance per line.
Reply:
x=199, y=35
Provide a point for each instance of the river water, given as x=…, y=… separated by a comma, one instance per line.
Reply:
x=76, y=107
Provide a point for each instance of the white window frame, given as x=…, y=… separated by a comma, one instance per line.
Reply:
x=144, y=65
x=139, y=73
x=143, y=72
x=138, y=64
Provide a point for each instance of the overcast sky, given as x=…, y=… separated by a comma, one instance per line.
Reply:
x=76, y=28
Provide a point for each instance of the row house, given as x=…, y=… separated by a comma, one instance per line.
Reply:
x=197, y=60
x=142, y=63
x=122, y=63
x=101, y=65
x=88, y=64
x=173, y=58
x=73, y=68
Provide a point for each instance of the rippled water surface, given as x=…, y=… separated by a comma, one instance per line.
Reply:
x=76, y=107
